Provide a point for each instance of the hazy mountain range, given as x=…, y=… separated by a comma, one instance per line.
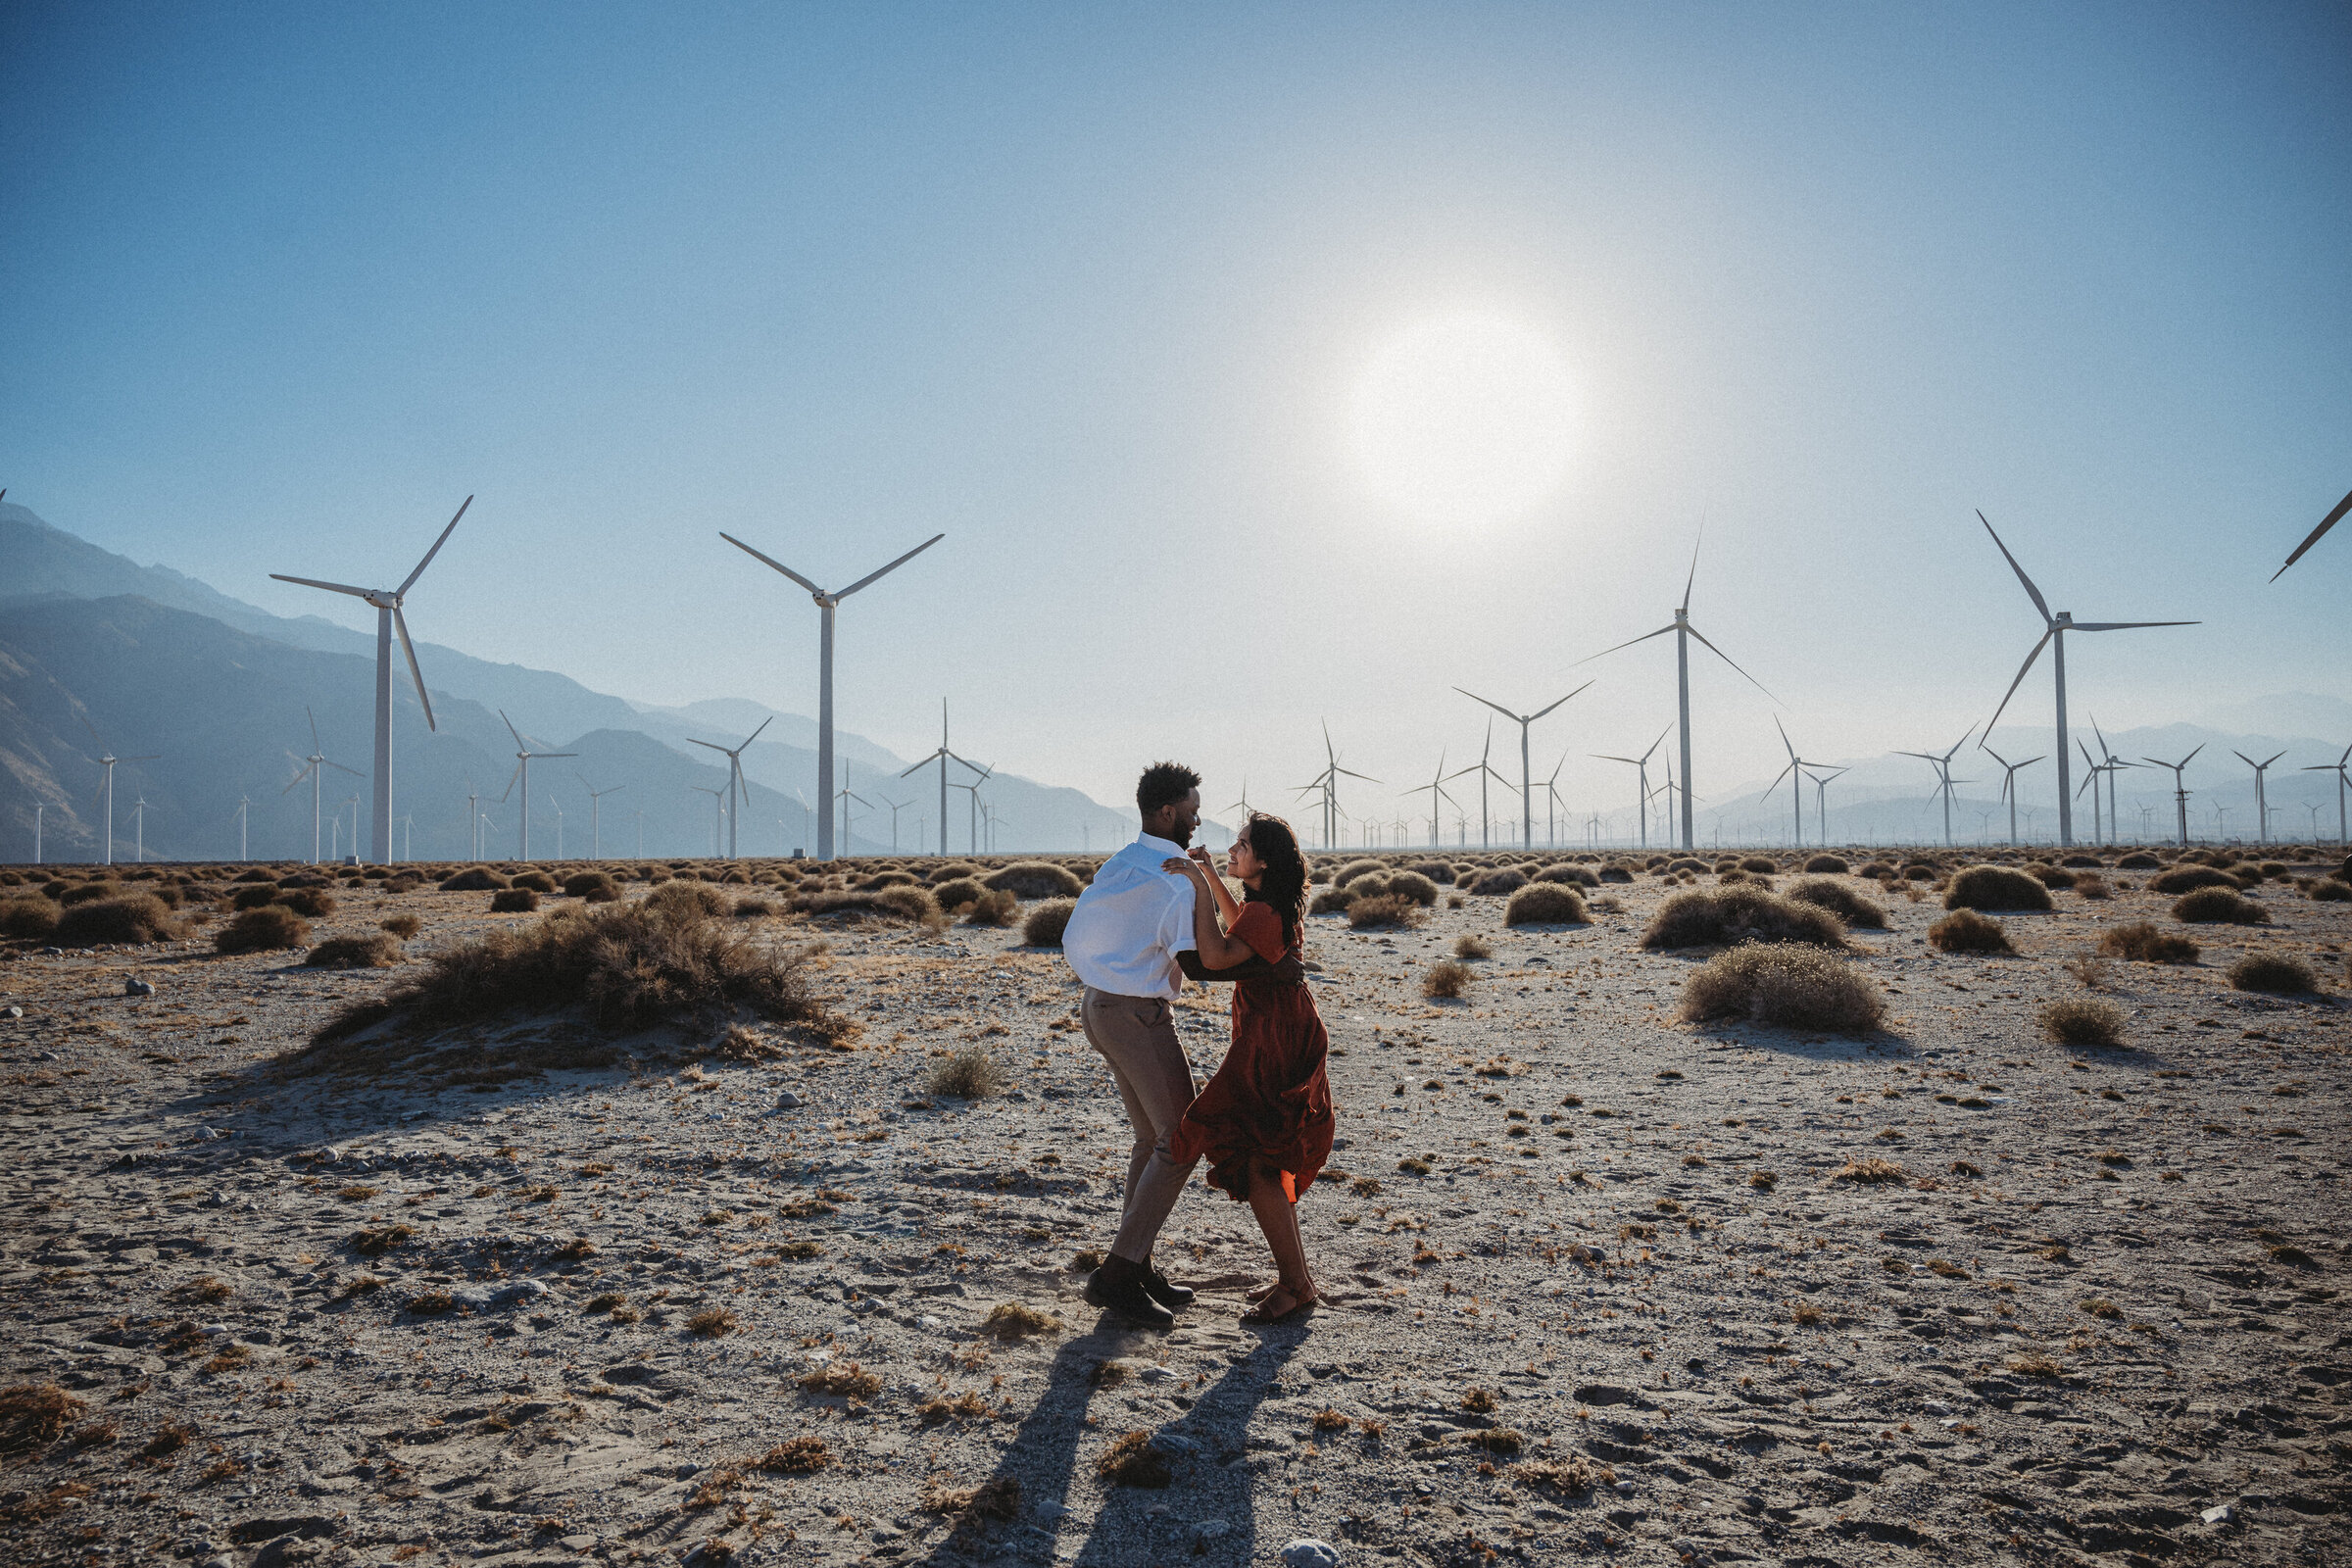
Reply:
x=157, y=662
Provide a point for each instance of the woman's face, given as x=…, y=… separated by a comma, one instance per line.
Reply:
x=1242, y=865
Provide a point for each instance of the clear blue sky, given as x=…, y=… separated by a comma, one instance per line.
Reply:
x=1092, y=289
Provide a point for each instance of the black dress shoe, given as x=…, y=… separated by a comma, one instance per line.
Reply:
x=1166, y=1292
x=1119, y=1287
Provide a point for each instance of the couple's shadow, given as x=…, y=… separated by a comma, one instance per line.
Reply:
x=1209, y=1487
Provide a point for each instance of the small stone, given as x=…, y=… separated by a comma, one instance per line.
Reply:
x=2221, y=1514
x=136, y=987
x=786, y=1099
x=1310, y=1553
x=12, y=1013
x=1625, y=1489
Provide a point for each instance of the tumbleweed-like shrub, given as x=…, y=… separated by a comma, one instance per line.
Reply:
x=1995, y=887
x=377, y=951
x=1497, y=882
x=1447, y=978
x=596, y=887
x=1046, y=921
x=997, y=907
x=1035, y=879
x=2146, y=941
x=1576, y=875
x=2055, y=877
x=1414, y=886
x=2082, y=1021
x=956, y=892
x=262, y=930
x=1967, y=931
x=1333, y=901
x=1788, y=986
x=2139, y=861
x=252, y=896
x=2218, y=906
x=2188, y=878
x=2275, y=972
x=1353, y=869
x=513, y=901
x=312, y=904
x=1724, y=916
x=473, y=879
x=537, y=881
x=904, y=901
x=967, y=1074
x=2328, y=890
x=130, y=918
x=28, y=919
x=1439, y=872
x=1827, y=865
x=688, y=897
x=1759, y=864
x=1838, y=899
x=1383, y=910
x=1545, y=904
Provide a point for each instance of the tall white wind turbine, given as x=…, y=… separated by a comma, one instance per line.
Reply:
x=2009, y=772
x=1527, y=771
x=2054, y=630
x=524, y=757
x=1821, y=802
x=826, y=604
x=1328, y=782
x=736, y=787
x=2262, y=805
x=2180, y=787
x=107, y=760
x=943, y=757
x=314, y=768
x=1485, y=772
x=1641, y=762
x=1795, y=772
x=1436, y=792
x=2343, y=779
x=1683, y=631
x=388, y=620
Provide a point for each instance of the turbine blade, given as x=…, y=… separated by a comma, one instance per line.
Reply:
x=1727, y=658
x=2020, y=681
x=755, y=735
x=2274, y=756
x=2325, y=523
x=1497, y=706
x=399, y=624
x=2248, y=761
x=893, y=567
x=1784, y=745
x=555, y=753
x=353, y=771
x=778, y=564
x=1693, y=578
x=1540, y=713
x=1367, y=778
x=436, y=550
x=2040, y=603
x=298, y=778
x=691, y=741
x=521, y=744
x=1627, y=643
x=2126, y=626
x=330, y=587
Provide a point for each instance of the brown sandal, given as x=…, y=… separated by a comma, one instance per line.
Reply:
x=1263, y=1315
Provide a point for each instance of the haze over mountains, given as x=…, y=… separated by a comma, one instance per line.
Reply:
x=158, y=662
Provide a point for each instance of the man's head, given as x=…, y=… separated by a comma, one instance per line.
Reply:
x=1168, y=796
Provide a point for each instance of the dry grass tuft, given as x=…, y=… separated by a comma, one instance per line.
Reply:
x=1573, y=1476
x=1790, y=987
x=402, y=926
x=845, y=1379
x=1035, y=879
x=2220, y=906
x=1447, y=978
x=1468, y=946
x=996, y=908
x=1838, y=899
x=996, y=1498
x=2082, y=1021
x=1967, y=931
x=2034, y=1365
x=712, y=1323
x=2188, y=878
x=1726, y=917
x=377, y=952
x=2146, y=941
x=1545, y=904
x=968, y=1075
x=513, y=901
x=1132, y=1461
x=1384, y=911
x=796, y=1456
x=1496, y=883
x=1871, y=1172
x=271, y=927
x=1014, y=1320
x=33, y=1415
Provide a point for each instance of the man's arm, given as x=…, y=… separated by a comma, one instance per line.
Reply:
x=1290, y=970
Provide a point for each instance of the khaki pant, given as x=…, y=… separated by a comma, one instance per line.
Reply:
x=1137, y=1036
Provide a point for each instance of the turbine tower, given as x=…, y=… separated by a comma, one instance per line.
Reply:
x=1643, y=763
x=735, y=784
x=1942, y=764
x=2262, y=807
x=2054, y=630
x=1794, y=773
x=388, y=620
x=106, y=788
x=2009, y=772
x=1437, y=788
x=943, y=757
x=596, y=836
x=1328, y=781
x=1683, y=631
x=1821, y=801
x=1486, y=830
x=522, y=775
x=2180, y=789
x=2342, y=778
x=1527, y=772
x=313, y=770
x=826, y=604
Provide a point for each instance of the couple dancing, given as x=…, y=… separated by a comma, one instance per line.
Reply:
x=1155, y=915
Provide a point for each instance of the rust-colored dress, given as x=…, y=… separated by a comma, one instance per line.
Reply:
x=1270, y=1105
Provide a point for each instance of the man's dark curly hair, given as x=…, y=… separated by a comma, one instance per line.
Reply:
x=1163, y=784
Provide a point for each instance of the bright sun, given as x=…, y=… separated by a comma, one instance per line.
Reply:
x=1464, y=419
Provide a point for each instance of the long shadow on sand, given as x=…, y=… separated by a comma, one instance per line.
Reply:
x=1209, y=1488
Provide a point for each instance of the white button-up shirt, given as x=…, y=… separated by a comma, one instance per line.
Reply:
x=1131, y=922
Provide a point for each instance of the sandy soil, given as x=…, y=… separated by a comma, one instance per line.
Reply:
x=2104, y=1301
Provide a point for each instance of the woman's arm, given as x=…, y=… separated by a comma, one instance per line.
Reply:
x=1217, y=950
x=1228, y=909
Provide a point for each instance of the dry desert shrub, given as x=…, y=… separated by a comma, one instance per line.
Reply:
x=685, y=898
x=130, y=918
x=1545, y=904
x=2145, y=942
x=473, y=879
x=1836, y=898
x=969, y=1074
x=1792, y=987
x=1726, y=916
x=1014, y=1320
x=1035, y=879
x=956, y=892
x=513, y=901
x=1995, y=887
x=899, y=903
x=1385, y=910
x=1573, y=1476
x=33, y=1415
x=2218, y=906
x=2054, y=877
x=2274, y=972
x=402, y=926
x=1497, y=882
x=1353, y=869
x=995, y=907
x=1468, y=946
x=1445, y=978
x=1132, y=1461
x=1871, y=1172
x=28, y=919
x=1044, y=923
x=377, y=951
x=2188, y=878
x=1413, y=886
x=1437, y=872
x=1575, y=875
x=266, y=929
x=712, y=1323
x=596, y=887
x=1966, y=931
x=796, y=1456
x=537, y=881
x=2091, y=885
x=2082, y=1021
x=845, y=1379
x=996, y=1498
x=2139, y=861
x=1826, y=865
x=2328, y=890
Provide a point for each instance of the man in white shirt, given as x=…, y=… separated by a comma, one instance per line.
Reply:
x=1130, y=941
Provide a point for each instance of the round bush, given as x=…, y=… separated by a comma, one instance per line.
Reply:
x=1497, y=882
x=596, y=887
x=2145, y=942
x=2052, y=877
x=1044, y=926
x=2218, y=906
x=375, y=952
x=473, y=879
x=1995, y=887
x=513, y=901
x=1839, y=900
x=1414, y=886
x=1967, y=931
x=956, y=892
x=28, y=919
x=2188, y=878
x=1035, y=879
x=1826, y=865
x=535, y=881
x=2328, y=890
x=261, y=930
x=1378, y=911
x=2139, y=861
x=314, y=904
x=2274, y=972
x=1353, y=869
x=997, y=907
x=1613, y=872
x=1437, y=872
x=687, y=898
x=951, y=871
x=133, y=918
x=1727, y=915
x=1545, y=904
x=1575, y=875
x=1789, y=987
x=2084, y=1021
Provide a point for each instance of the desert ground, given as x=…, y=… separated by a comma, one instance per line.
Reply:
x=1600, y=1284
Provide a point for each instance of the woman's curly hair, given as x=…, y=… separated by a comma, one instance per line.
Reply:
x=1284, y=882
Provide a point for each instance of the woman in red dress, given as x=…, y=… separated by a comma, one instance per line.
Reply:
x=1264, y=1121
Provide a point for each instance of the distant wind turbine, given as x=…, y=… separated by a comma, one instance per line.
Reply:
x=1527, y=771
x=826, y=604
x=1941, y=763
x=735, y=781
x=524, y=757
x=106, y=789
x=1486, y=830
x=1683, y=631
x=943, y=757
x=719, y=813
x=1328, y=783
x=2180, y=787
x=2342, y=778
x=2325, y=523
x=1795, y=772
x=1436, y=792
x=2054, y=630
x=2262, y=808
x=596, y=834
x=388, y=620
x=313, y=770
x=244, y=804
x=1643, y=764
x=2009, y=772
x=1821, y=801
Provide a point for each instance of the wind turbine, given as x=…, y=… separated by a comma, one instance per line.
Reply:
x=972, y=804
x=1795, y=772
x=1942, y=764
x=896, y=807
x=826, y=604
x=845, y=796
x=596, y=834
x=314, y=767
x=1527, y=772
x=2337, y=767
x=107, y=761
x=522, y=775
x=2180, y=789
x=718, y=812
x=2262, y=809
x=1437, y=788
x=1821, y=801
x=1683, y=631
x=1241, y=805
x=1486, y=831
x=1553, y=804
x=2009, y=772
x=244, y=803
x=474, y=823
x=735, y=783
x=407, y=833
x=388, y=620
x=1643, y=764
x=2113, y=764
x=138, y=818
x=2325, y=523
x=943, y=757
x=2054, y=630
x=559, y=805
x=1328, y=781
x=2094, y=767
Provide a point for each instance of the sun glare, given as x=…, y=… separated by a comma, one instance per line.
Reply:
x=1464, y=419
